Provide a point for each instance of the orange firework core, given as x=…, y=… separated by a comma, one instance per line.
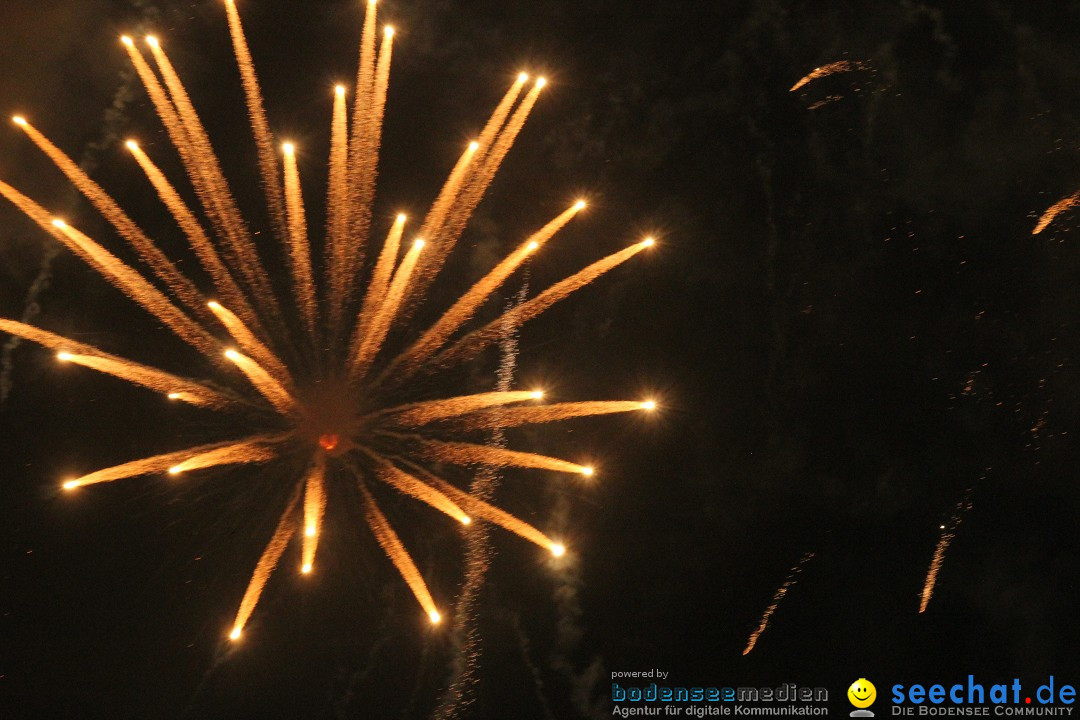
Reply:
x=329, y=441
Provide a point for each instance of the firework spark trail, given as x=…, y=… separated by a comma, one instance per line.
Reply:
x=460, y=312
x=148, y=377
x=178, y=284
x=251, y=344
x=781, y=591
x=464, y=170
x=948, y=534
x=262, y=381
x=379, y=284
x=337, y=195
x=398, y=555
x=460, y=453
x=826, y=70
x=314, y=508
x=473, y=156
x=248, y=451
x=260, y=128
x=361, y=189
x=267, y=562
x=1065, y=203
x=132, y=284
x=474, y=190
x=203, y=154
x=475, y=341
x=224, y=282
x=409, y=485
x=252, y=450
x=196, y=172
x=486, y=511
x=117, y=273
x=299, y=248
x=449, y=191
x=514, y=417
x=369, y=339
x=429, y=411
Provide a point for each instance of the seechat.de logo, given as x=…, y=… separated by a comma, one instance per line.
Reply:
x=862, y=694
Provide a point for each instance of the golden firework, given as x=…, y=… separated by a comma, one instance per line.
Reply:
x=345, y=401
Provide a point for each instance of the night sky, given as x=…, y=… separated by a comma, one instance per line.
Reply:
x=846, y=321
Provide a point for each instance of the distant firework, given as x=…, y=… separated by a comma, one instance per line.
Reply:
x=310, y=374
x=763, y=624
x=948, y=534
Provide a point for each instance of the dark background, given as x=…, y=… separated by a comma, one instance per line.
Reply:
x=847, y=322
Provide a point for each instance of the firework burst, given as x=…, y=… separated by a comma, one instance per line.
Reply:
x=314, y=364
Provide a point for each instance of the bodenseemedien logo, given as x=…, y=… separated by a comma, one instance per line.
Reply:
x=862, y=694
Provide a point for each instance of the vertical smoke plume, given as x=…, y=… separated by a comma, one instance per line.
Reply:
x=465, y=635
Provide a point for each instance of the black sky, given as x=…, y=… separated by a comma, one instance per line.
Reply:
x=847, y=321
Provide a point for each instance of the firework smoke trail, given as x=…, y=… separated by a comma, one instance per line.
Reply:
x=259, y=126
x=827, y=70
x=781, y=591
x=337, y=212
x=461, y=689
x=1065, y=203
x=948, y=534
x=331, y=404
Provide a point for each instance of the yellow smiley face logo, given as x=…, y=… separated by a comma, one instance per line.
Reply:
x=862, y=693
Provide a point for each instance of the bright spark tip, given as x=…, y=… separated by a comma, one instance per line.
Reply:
x=288, y=148
x=306, y=568
x=588, y=471
x=533, y=245
x=436, y=618
x=214, y=305
x=523, y=77
x=648, y=405
x=126, y=40
x=152, y=41
x=63, y=356
x=474, y=146
x=402, y=217
x=310, y=531
x=538, y=394
x=466, y=520
x=175, y=470
x=131, y=145
x=232, y=354
x=70, y=485
x=541, y=82
x=558, y=550
x=340, y=90
x=19, y=120
x=418, y=243
x=59, y=223
x=389, y=31
x=235, y=634
x=173, y=396
x=648, y=242
x=580, y=205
